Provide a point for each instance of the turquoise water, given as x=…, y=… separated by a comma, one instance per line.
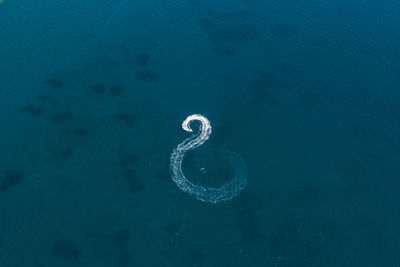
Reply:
x=93, y=94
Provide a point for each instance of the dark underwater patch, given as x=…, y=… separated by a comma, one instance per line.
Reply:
x=97, y=89
x=304, y=195
x=116, y=90
x=283, y=30
x=224, y=51
x=143, y=59
x=81, y=132
x=228, y=16
x=55, y=83
x=148, y=76
x=263, y=90
x=207, y=24
x=173, y=227
x=129, y=159
x=61, y=117
x=124, y=259
x=196, y=256
x=240, y=34
x=249, y=2
x=311, y=98
x=11, y=178
x=66, y=249
x=48, y=100
x=136, y=186
x=129, y=174
x=32, y=110
x=67, y=153
x=121, y=238
x=126, y=118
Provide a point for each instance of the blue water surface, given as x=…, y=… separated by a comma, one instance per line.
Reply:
x=92, y=97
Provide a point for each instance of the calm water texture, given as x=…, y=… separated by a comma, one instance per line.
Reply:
x=92, y=97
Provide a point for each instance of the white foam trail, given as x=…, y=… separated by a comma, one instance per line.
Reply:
x=207, y=194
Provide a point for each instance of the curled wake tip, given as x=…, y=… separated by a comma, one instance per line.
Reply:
x=205, y=123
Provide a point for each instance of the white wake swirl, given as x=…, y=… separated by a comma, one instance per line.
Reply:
x=207, y=194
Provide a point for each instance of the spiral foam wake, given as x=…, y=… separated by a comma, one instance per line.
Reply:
x=207, y=194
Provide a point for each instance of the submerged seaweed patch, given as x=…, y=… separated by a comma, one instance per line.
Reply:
x=48, y=100
x=173, y=227
x=126, y=118
x=121, y=238
x=32, y=110
x=249, y=2
x=283, y=30
x=66, y=249
x=143, y=59
x=207, y=24
x=97, y=88
x=224, y=51
x=129, y=159
x=240, y=34
x=81, y=132
x=129, y=174
x=124, y=259
x=67, y=153
x=11, y=179
x=196, y=256
x=136, y=186
x=54, y=83
x=148, y=76
x=61, y=116
x=263, y=90
x=228, y=16
x=116, y=90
